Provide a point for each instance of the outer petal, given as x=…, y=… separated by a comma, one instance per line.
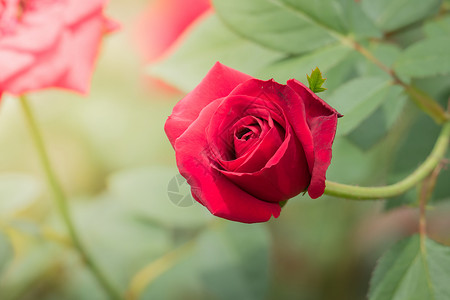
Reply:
x=218, y=83
x=64, y=58
x=77, y=10
x=211, y=188
x=83, y=41
x=68, y=64
x=322, y=120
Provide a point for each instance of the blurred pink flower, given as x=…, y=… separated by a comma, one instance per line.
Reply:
x=50, y=43
x=164, y=22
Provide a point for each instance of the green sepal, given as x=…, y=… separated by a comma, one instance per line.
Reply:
x=316, y=81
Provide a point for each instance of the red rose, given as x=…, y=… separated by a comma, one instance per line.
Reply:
x=244, y=144
x=49, y=43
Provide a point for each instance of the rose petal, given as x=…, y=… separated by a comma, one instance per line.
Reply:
x=77, y=10
x=163, y=22
x=211, y=188
x=291, y=104
x=34, y=32
x=67, y=64
x=322, y=120
x=220, y=138
x=188, y=109
x=55, y=44
x=83, y=44
x=284, y=176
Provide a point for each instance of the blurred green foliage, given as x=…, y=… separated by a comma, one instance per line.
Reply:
x=115, y=163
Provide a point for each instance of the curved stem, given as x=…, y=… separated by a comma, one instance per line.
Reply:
x=367, y=193
x=61, y=202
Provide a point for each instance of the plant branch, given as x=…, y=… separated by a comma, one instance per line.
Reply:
x=62, y=203
x=420, y=98
x=368, y=193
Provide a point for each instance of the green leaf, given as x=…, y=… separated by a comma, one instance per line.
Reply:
x=346, y=153
x=118, y=239
x=390, y=15
x=146, y=193
x=272, y=24
x=237, y=254
x=226, y=252
x=386, y=53
x=428, y=57
x=295, y=26
x=438, y=28
x=208, y=42
x=412, y=271
x=17, y=191
x=35, y=266
x=370, y=131
x=298, y=66
x=358, y=99
x=316, y=81
x=6, y=252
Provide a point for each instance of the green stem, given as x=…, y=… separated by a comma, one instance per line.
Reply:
x=367, y=193
x=61, y=202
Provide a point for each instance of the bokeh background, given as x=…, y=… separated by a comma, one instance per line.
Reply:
x=115, y=164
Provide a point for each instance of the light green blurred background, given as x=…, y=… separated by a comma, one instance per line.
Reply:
x=114, y=162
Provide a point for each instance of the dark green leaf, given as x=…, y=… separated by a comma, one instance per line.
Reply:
x=412, y=271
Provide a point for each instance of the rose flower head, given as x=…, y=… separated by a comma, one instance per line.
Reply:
x=50, y=43
x=245, y=145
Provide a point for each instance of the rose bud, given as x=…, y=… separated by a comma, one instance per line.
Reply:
x=245, y=145
x=47, y=44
